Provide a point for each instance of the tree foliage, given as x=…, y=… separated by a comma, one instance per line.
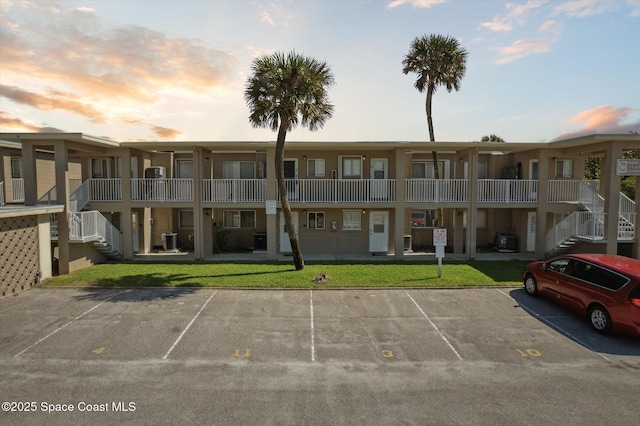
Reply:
x=438, y=61
x=284, y=91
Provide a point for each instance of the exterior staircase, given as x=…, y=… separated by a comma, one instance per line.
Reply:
x=587, y=224
x=87, y=226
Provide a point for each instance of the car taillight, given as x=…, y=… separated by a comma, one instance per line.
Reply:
x=635, y=301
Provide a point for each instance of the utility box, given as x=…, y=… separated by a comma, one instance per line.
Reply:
x=260, y=241
x=169, y=241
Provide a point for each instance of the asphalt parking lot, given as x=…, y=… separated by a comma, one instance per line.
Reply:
x=161, y=356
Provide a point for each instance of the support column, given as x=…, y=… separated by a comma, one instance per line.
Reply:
x=126, y=221
x=543, y=204
x=399, y=208
x=472, y=220
x=29, y=174
x=61, y=160
x=610, y=185
x=198, y=219
x=272, y=222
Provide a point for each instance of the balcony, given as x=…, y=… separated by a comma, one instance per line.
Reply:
x=437, y=190
x=234, y=190
x=162, y=190
x=341, y=190
x=507, y=191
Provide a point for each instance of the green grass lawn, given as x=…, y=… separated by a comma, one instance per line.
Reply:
x=283, y=275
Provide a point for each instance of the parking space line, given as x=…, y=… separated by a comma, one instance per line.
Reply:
x=554, y=326
x=188, y=326
x=313, y=346
x=434, y=326
x=61, y=327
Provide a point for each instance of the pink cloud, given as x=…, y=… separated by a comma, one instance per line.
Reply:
x=424, y=4
x=604, y=119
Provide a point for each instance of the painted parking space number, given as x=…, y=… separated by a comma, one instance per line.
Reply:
x=386, y=354
x=528, y=352
x=244, y=354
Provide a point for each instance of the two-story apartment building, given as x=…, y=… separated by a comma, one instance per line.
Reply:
x=123, y=198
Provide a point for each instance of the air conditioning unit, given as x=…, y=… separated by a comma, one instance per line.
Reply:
x=156, y=172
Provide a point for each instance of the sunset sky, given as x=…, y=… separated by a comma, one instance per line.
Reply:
x=537, y=70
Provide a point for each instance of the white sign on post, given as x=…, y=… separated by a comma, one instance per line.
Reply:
x=439, y=241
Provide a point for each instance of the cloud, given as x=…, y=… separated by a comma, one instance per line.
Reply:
x=604, y=119
x=635, y=7
x=165, y=132
x=55, y=100
x=516, y=14
x=424, y=4
x=519, y=49
x=584, y=8
x=16, y=124
x=98, y=71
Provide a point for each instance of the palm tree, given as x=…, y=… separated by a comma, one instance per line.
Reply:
x=283, y=91
x=439, y=61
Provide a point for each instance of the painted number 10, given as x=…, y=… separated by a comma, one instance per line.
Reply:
x=528, y=352
x=239, y=353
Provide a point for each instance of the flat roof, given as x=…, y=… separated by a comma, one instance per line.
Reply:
x=19, y=210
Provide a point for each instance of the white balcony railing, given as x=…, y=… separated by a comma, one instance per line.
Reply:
x=507, y=191
x=573, y=191
x=17, y=190
x=93, y=226
x=341, y=190
x=105, y=189
x=162, y=190
x=437, y=190
x=234, y=190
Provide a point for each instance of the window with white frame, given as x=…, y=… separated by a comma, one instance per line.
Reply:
x=16, y=168
x=185, y=218
x=315, y=167
x=351, y=220
x=424, y=169
x=239, y=169
x=564, y=168
x=423, y=218
x=239, y=219
x=315, y=220
x=352, y=167
x=99, y=167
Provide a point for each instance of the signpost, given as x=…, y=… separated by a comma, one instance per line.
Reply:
x=628, y=167
x=440, y=241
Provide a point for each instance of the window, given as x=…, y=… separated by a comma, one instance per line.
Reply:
x=16, y=168
x=564, y=168
x=99, y=168
x=423, y=218
x=239, y=170
x=315, y=220
x=185, y=218
x=482, y=170
x=352, y=167
x=351, y=219
x=184, y=169
x=424, y=169
x=315, y=167
x=239, y=219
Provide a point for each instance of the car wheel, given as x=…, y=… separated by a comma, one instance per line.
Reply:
x=530, y=285
x=599, y=319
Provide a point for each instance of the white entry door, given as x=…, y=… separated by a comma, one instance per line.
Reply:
x=135, y=241
x=379, y=175
x=285, y=243
x=379, y=232
x=531, y=231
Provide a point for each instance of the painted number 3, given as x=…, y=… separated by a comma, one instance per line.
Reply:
x=387, y=354
x=529, y=352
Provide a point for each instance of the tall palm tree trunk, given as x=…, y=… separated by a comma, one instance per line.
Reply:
x=298, y=261
x=432, y=137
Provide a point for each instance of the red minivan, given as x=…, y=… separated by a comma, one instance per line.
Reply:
x=605, y=288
